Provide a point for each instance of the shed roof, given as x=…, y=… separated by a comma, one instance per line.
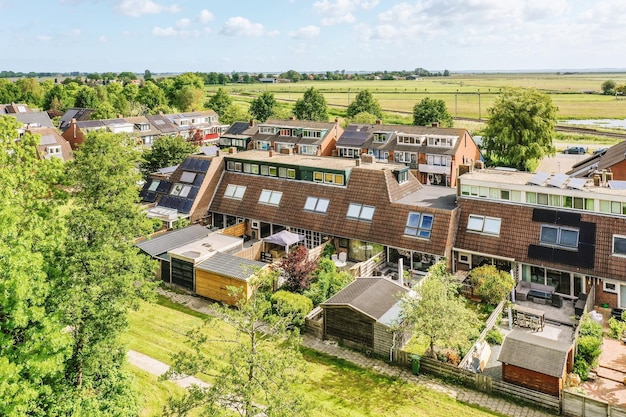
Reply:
x=171, y=240
x=535, y=353
x=372, y=296
x=230, y=266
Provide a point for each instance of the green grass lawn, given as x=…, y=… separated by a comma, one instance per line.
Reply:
x=334, y=387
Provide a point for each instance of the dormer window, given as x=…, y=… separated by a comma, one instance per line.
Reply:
x=53, y=150
x=380, y=137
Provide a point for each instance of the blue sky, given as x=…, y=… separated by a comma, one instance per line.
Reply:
x=310, y=35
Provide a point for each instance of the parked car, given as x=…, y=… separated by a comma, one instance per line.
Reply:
x=576, y=150
x=601, y=150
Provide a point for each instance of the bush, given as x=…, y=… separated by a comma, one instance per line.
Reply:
x=589, y=349
x=589, y=327
x=581, y=368
x=616, y=328
x=328, y=251
x=290, y=305
x=494, y=337
x=491, y=284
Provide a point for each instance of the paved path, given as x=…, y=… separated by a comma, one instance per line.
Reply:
x=462, y=394
x=158, y=368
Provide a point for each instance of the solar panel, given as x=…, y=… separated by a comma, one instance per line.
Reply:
x=577, y=183
x=186, y=206
x=558, y=180
x=539, y=178
x=192, y=193
x=617, y=185
x=150, y=197
x=204, y=166
x=198, y=180
x=187, y=163
x=164, y=187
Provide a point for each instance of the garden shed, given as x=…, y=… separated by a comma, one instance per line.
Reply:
x=363, y=313
x=536, y=362
x=216, y=274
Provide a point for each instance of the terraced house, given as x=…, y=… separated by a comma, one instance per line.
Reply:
x=432, y=153
x=563, y=232
x=366, y=208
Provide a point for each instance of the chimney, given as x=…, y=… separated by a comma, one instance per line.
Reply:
x=379, y=122
x=232, y=149
x=434, y=124
x=251, y=123
x=271, y=152
x=358, y=162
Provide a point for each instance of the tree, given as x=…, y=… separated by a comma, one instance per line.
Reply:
x=165, y=152
x=491, y=284
x=291, y=75
x=33, y=344
x=363, y=118
x=126, y=76
x=86, y=97
x=520, y=128
x=104, y=110
x=234, y=113
x=437, y=311
x=297, y=269
x=327, y=281
x=608, y=87
x=312, y=106
x=189, y=98
x=147, y=75
x=101, y=275
x=364, y=102
x=30, y=92
x=151, y=96
x=219, y=101
x=430, y=111
x=258, y=370
x=263, y=106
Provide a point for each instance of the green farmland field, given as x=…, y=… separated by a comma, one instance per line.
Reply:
x=466, y=95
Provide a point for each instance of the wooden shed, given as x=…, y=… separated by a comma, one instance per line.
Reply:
x=361, y=315
x=536, y=362
x=216, y=274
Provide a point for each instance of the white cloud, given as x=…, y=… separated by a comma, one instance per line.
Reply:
x=205, y=16
x=183, y=23
x=240, y=26
x=164, y=32
x=44, y=38
x=136, y=8
x=102, y=39
x=340, y=11
x=306, y=32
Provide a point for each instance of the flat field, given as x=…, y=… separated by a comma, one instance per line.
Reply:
x=466, y=95
x=333, y=387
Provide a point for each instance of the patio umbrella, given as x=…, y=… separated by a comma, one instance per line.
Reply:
x=284, y=238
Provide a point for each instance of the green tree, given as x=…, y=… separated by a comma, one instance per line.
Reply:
x=312, y=106
x=30, y=92
x=327, y=281
x=363, y=118
x=438, y=312
x=491, y=284
x=219, y=102
x=430, y=111
x=263, y=106
x=33, y=344
x=291, y=75
x=8, y=91
x=147, y=75
x=102, y=275
x=520, y=129
x=151, y=96
x=104, y=111
x=234, y=113
x=56, y=98
x=189, y=98
x=165, y=152
x=364, y=102
x=126, y=76
x=259, y=370
x=608, y=87
x=86, y=97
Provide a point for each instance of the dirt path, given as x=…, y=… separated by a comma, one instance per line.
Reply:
x=158, y=368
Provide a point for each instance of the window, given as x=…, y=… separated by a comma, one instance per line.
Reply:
x=619, y=245
x=291, y=173
x=559, y=236
x=53, y=150
x=360, y=212
x=419, y=225
x=273, y=171
x=609, y=287
x=307, y=150
x=317, y=205
x=270, y=197
x=188, y=177
x=154, y=185
x=181, y=190
x=464, y=258
x=235, y=191
x=403, y=176
x=265, y=170
x=318, y=176
x=483, y=224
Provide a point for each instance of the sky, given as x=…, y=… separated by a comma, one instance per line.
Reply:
x=273, y=36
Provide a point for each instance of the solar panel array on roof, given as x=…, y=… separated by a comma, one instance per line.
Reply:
x=197, y=165
x=198, y=180
x=183, y=205
x=577, y=183
x=617, y=185
x=539, y=178
x=237, y=128
x=558, y=180
x=149, y=197
x=164, y=187
x=353, y=136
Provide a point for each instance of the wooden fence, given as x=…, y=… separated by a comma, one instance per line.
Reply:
x=491, y=321
x=482, y=382
x=314, y=322
x=580, y=405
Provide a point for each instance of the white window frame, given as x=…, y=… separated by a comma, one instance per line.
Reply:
x=614, y=288
x=559, y=242
x=419, y=229
x=235, y=191
x=362, y=212
x=270, y=197
x=613, y=246
x=316, y=205
x=484, y=224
